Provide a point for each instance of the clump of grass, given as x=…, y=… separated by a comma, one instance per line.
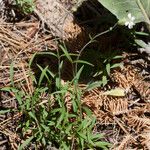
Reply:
x=53, y=121
x=25, y=6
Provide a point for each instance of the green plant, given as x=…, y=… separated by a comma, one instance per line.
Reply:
x=105, y=63
x=26, y=6
x=124, y=9
x=53, y=121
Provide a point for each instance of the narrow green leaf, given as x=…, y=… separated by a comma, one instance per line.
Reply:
x=89, y=138
x=59, y=92
x=18, y=94
x=46, y=128
x=97, y=73
x=87, y=110
x=32, y=58
x=47, y=53
x=87, y=123
x=142, y=33
x=141, y=43
x=104, y=80
x=26, y=143
x=82, y=142
x=93, y=85
x=64, y=146
x=43, y=74
x=117, y=57
x=61, y=118
x=41, y=90
x=51, y=73
x=102, y=144
x=95, y=137
x=72, y=115
x=83, y=136
x=4, y=111
x=19, y=97
x=9, y=89
x=51, y=123
x=56, y=110
x=58, y=82
x=117, y=65
x=108, y=69
x=71, y=54
x=75, y=107
x=32, y=115
x=61, y=65
x=66, y=53
x=83, y=62
x=44, y=141
x=68, y=129
x=77, y=76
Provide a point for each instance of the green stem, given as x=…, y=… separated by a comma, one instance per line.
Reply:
x=96, y=36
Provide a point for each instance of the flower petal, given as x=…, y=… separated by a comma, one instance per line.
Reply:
x=133, y=18
x=130, y=26
x=126, y=23
x=129, y=15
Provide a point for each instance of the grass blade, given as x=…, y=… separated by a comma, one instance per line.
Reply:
x=76, y=78
x=25, y=143
x=4, y=111
x=66, y=53
x=93, y=85
x=83, y=62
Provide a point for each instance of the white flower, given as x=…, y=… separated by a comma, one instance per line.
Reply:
x=130, y=21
